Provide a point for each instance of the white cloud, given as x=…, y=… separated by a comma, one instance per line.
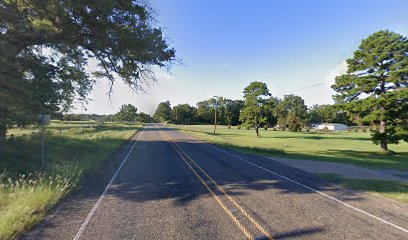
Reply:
x=336, y=71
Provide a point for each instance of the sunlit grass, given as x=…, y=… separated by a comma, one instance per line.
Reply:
x=28, y=189
x=390, y=189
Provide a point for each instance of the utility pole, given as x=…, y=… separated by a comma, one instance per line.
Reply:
x=215, y=113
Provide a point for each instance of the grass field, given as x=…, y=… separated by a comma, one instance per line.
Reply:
x=389, y=189
x=28, y=189
x=345, y=147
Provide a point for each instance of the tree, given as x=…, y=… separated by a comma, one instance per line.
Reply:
x=375, y=86
x=163, y=112
x=183, y=113
x=127, y=113
x=46, y=45
x=291, y=111
x=232, y=111
x=144, y=117
x=254, y=104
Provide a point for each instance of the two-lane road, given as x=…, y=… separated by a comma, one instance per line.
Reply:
x=168, y=185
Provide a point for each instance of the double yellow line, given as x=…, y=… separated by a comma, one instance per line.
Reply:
x=219, y=201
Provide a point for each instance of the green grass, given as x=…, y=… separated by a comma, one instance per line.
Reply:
x=353, y=148
x=390, y=189
x=28, y=189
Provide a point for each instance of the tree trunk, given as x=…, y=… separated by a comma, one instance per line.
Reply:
x=383, y=130
x=256, y=127
x=3, y=132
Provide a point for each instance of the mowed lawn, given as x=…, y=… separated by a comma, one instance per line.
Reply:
x=346, y=147
x=28, y=189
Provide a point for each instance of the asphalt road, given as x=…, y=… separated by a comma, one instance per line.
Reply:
x=168, y=185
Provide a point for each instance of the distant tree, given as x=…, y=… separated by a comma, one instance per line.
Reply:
x=163, y=112
x=254, y=104
x=46, y=45
x=144, y=118
x=232, y=111
x=271, y=103
x=323, y=113
x=291, y=110
x=374, y=89
x=205, y=112
x=183, y=113
x=127, y=113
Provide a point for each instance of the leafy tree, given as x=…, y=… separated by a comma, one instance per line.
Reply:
x=183, y=113
x=323, y=113
x=127, y=113
x=271, y=103
x=144, y=118
x=205, y=112
x=254, y=104
x=163, y=112
x=375, y=86
x=288, y=110
x=45, y=46
x=232, y=111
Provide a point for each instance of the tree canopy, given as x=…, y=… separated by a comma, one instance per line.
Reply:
x=46, y=46
x=127, y=113
x=375, y=86
x=163, y=112
x=254, y=104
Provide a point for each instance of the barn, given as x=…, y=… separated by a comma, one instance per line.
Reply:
x=332, y=126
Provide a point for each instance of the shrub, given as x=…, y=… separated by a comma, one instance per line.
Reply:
x=266, y=127
x=364, y=129
x=248, y=127
x=325, y=129
x=229, y=126
x=239, y=127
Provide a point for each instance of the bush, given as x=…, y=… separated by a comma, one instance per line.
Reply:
x=364, y=129
x=325, y=129
x=266, y=127
x=248, y=127
x=355, y=129
x=229, y=126
x=239, y=127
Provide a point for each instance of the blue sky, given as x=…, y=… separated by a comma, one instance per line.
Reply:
x=225, y=45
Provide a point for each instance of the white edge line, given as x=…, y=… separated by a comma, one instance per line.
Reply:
x=307, y=187
x=95, y=207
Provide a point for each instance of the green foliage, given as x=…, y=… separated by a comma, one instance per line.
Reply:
x=291, y=112
x=294, y=123
x=144, y=118
x=183, y=113
x=163, y=112
x=127, y=113
x=374, y=89
x=253, y=113
x=46, y=45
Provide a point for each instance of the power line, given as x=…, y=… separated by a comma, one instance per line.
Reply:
x=312, y=86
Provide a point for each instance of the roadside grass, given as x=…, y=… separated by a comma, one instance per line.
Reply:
x=28, y=189
x=390, y=189
x=353, y=148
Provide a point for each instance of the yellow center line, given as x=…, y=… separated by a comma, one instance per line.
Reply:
x=230, y=214
x=247, y=215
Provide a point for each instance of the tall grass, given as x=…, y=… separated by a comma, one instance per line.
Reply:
x=29, y=189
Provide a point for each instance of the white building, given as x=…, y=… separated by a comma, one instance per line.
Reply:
x=332, y=126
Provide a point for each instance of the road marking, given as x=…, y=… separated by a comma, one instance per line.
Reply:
x=95, y=207
x=257, y=225
x=305, y=186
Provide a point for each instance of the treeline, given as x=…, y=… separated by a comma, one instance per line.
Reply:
x=290, y=112
x=127, y=113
